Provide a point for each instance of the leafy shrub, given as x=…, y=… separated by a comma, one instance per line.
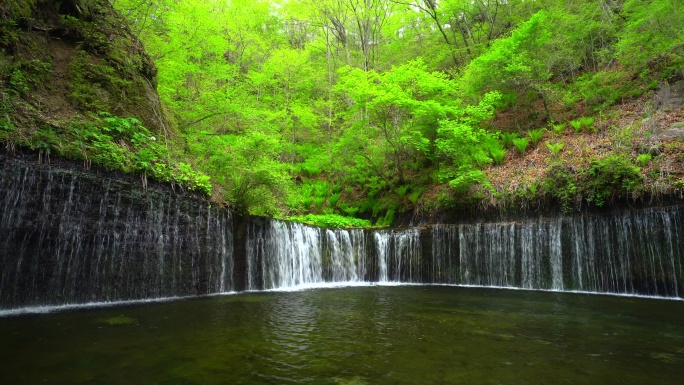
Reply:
x=587, y=123
x=402, y=190
x=331, y=221
x=558, y=128
x=521, y=144
x=498, y=155
x=536, y=135
x=333, y=199
x=320, y=188
x=611, y=177
x=508, y=137
x=576, y=125
x=555, y=148
x=560, y=183
x=603, y=89
x=318, y=203
x=468, y=178
x=388, y=218
x=415, y=196
x=643, y=159
x=351, y=210
x=496, y=151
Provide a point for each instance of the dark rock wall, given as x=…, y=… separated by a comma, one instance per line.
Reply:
x=71, y=236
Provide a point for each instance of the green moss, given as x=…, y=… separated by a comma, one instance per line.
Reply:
x=331, y=221
x=92, y=84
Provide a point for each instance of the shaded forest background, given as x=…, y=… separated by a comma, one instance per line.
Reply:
x=349, y=112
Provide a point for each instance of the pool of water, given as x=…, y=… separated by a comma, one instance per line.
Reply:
x=354, y=335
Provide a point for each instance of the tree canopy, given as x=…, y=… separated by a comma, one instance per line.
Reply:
x=367, y=108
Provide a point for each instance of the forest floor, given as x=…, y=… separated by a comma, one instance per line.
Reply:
x=652, y=124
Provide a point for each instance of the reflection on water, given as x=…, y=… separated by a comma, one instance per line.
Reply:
x=361, y=335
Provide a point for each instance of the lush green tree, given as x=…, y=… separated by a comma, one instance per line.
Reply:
x=395, y=114
x=463, y=144
x=371, y=101
x=653, y=34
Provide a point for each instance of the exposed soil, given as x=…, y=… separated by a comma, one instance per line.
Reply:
x=54, y=97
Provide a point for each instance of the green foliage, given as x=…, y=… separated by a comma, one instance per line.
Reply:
x=497, y=154
x=333, y=199
x=508, y=137
x=468, y=178
x=679, y=185
x=653, y=37
x=558, y=128
x=521, y=144
x=27, y=75
x=331, y=221
x=495, y=150
x=320, y=188
x=603, y=89
x=351, y=210
x=88, y=80
x=555, y=148
x=402, y=190
x=415, y=196
x=462, y=143
x=257, y=181
x=611, y=177
x=388, y=219
x=643, y=159
x=576, y=125
x=561, y=183
x=518, y=61
x=584, y=122
x=116, y=144
x=535, y=135
x=318, y=203
x=267, y=107
x=587, y=123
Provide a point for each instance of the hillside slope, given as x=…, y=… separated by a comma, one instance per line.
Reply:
x=76, y=82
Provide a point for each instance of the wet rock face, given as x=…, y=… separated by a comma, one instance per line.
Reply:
x=70, y=236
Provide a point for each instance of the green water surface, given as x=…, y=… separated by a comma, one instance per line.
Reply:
x=355, y=335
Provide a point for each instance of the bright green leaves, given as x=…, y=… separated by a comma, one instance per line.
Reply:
x=514, y=63
x=252, y=177
x=464, y=146
x=397, y=112
x=653, y=34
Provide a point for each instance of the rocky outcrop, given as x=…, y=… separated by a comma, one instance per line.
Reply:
x=68, y=236
x=64, y=60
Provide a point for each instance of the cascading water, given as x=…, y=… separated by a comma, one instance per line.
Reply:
x=633, y=252
x=287, y=254
x=399, y=255
x=71, y=237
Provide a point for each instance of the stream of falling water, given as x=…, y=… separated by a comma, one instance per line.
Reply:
x=67, y=237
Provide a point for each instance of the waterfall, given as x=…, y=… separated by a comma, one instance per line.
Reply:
x=630, y=252
x=399, y=255
x=72, y=237
x=633, y=252
x=287, y=254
